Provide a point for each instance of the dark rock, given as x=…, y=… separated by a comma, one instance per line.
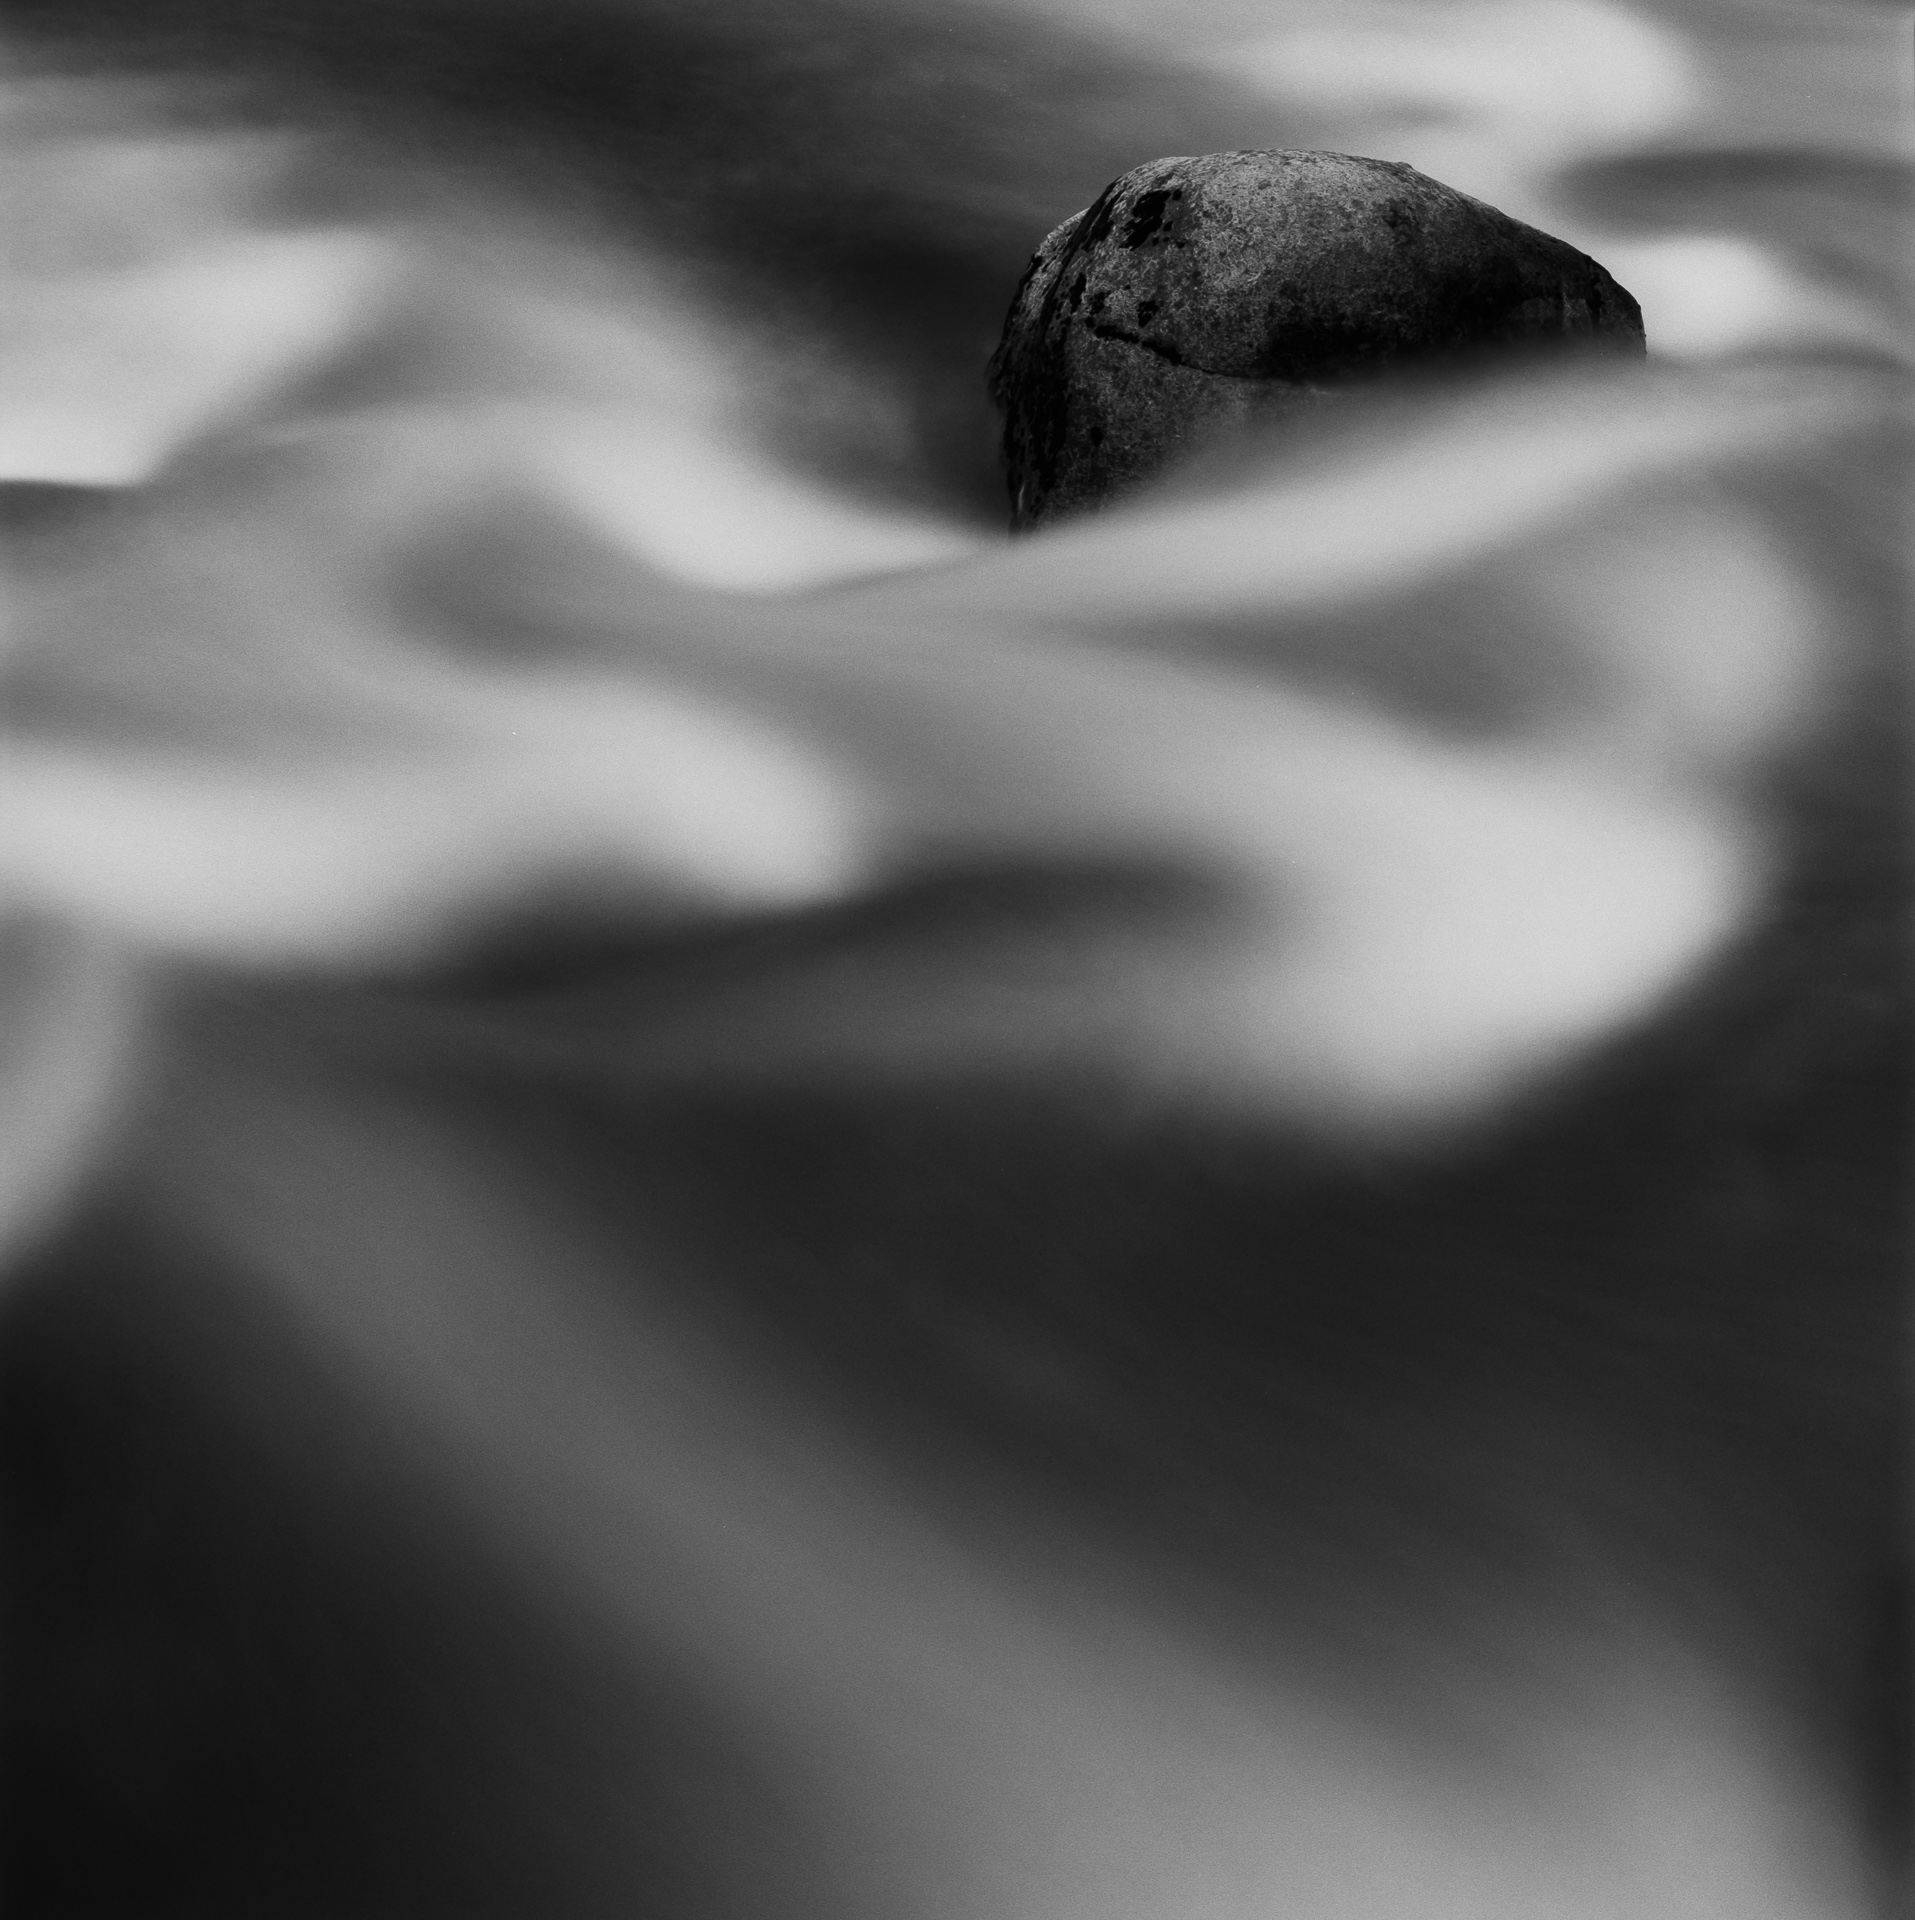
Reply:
x=1196, y=295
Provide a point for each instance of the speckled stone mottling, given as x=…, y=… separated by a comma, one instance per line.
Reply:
x=1197, y=294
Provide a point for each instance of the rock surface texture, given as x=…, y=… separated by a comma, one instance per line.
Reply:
x=1196, y=295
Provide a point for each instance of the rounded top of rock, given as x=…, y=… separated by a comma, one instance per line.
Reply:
x=1300, y=269
x=1299, y=265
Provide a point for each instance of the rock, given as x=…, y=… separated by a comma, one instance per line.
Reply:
x=1196, y=295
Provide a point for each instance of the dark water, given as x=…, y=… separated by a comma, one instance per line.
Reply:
x=725, y=1200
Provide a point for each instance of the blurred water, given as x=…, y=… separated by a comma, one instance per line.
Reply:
x=543, y=667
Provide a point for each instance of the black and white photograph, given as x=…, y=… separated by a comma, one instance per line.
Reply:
x=955, y=959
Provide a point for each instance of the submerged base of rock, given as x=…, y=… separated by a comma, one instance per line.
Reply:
x=1197, y=295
